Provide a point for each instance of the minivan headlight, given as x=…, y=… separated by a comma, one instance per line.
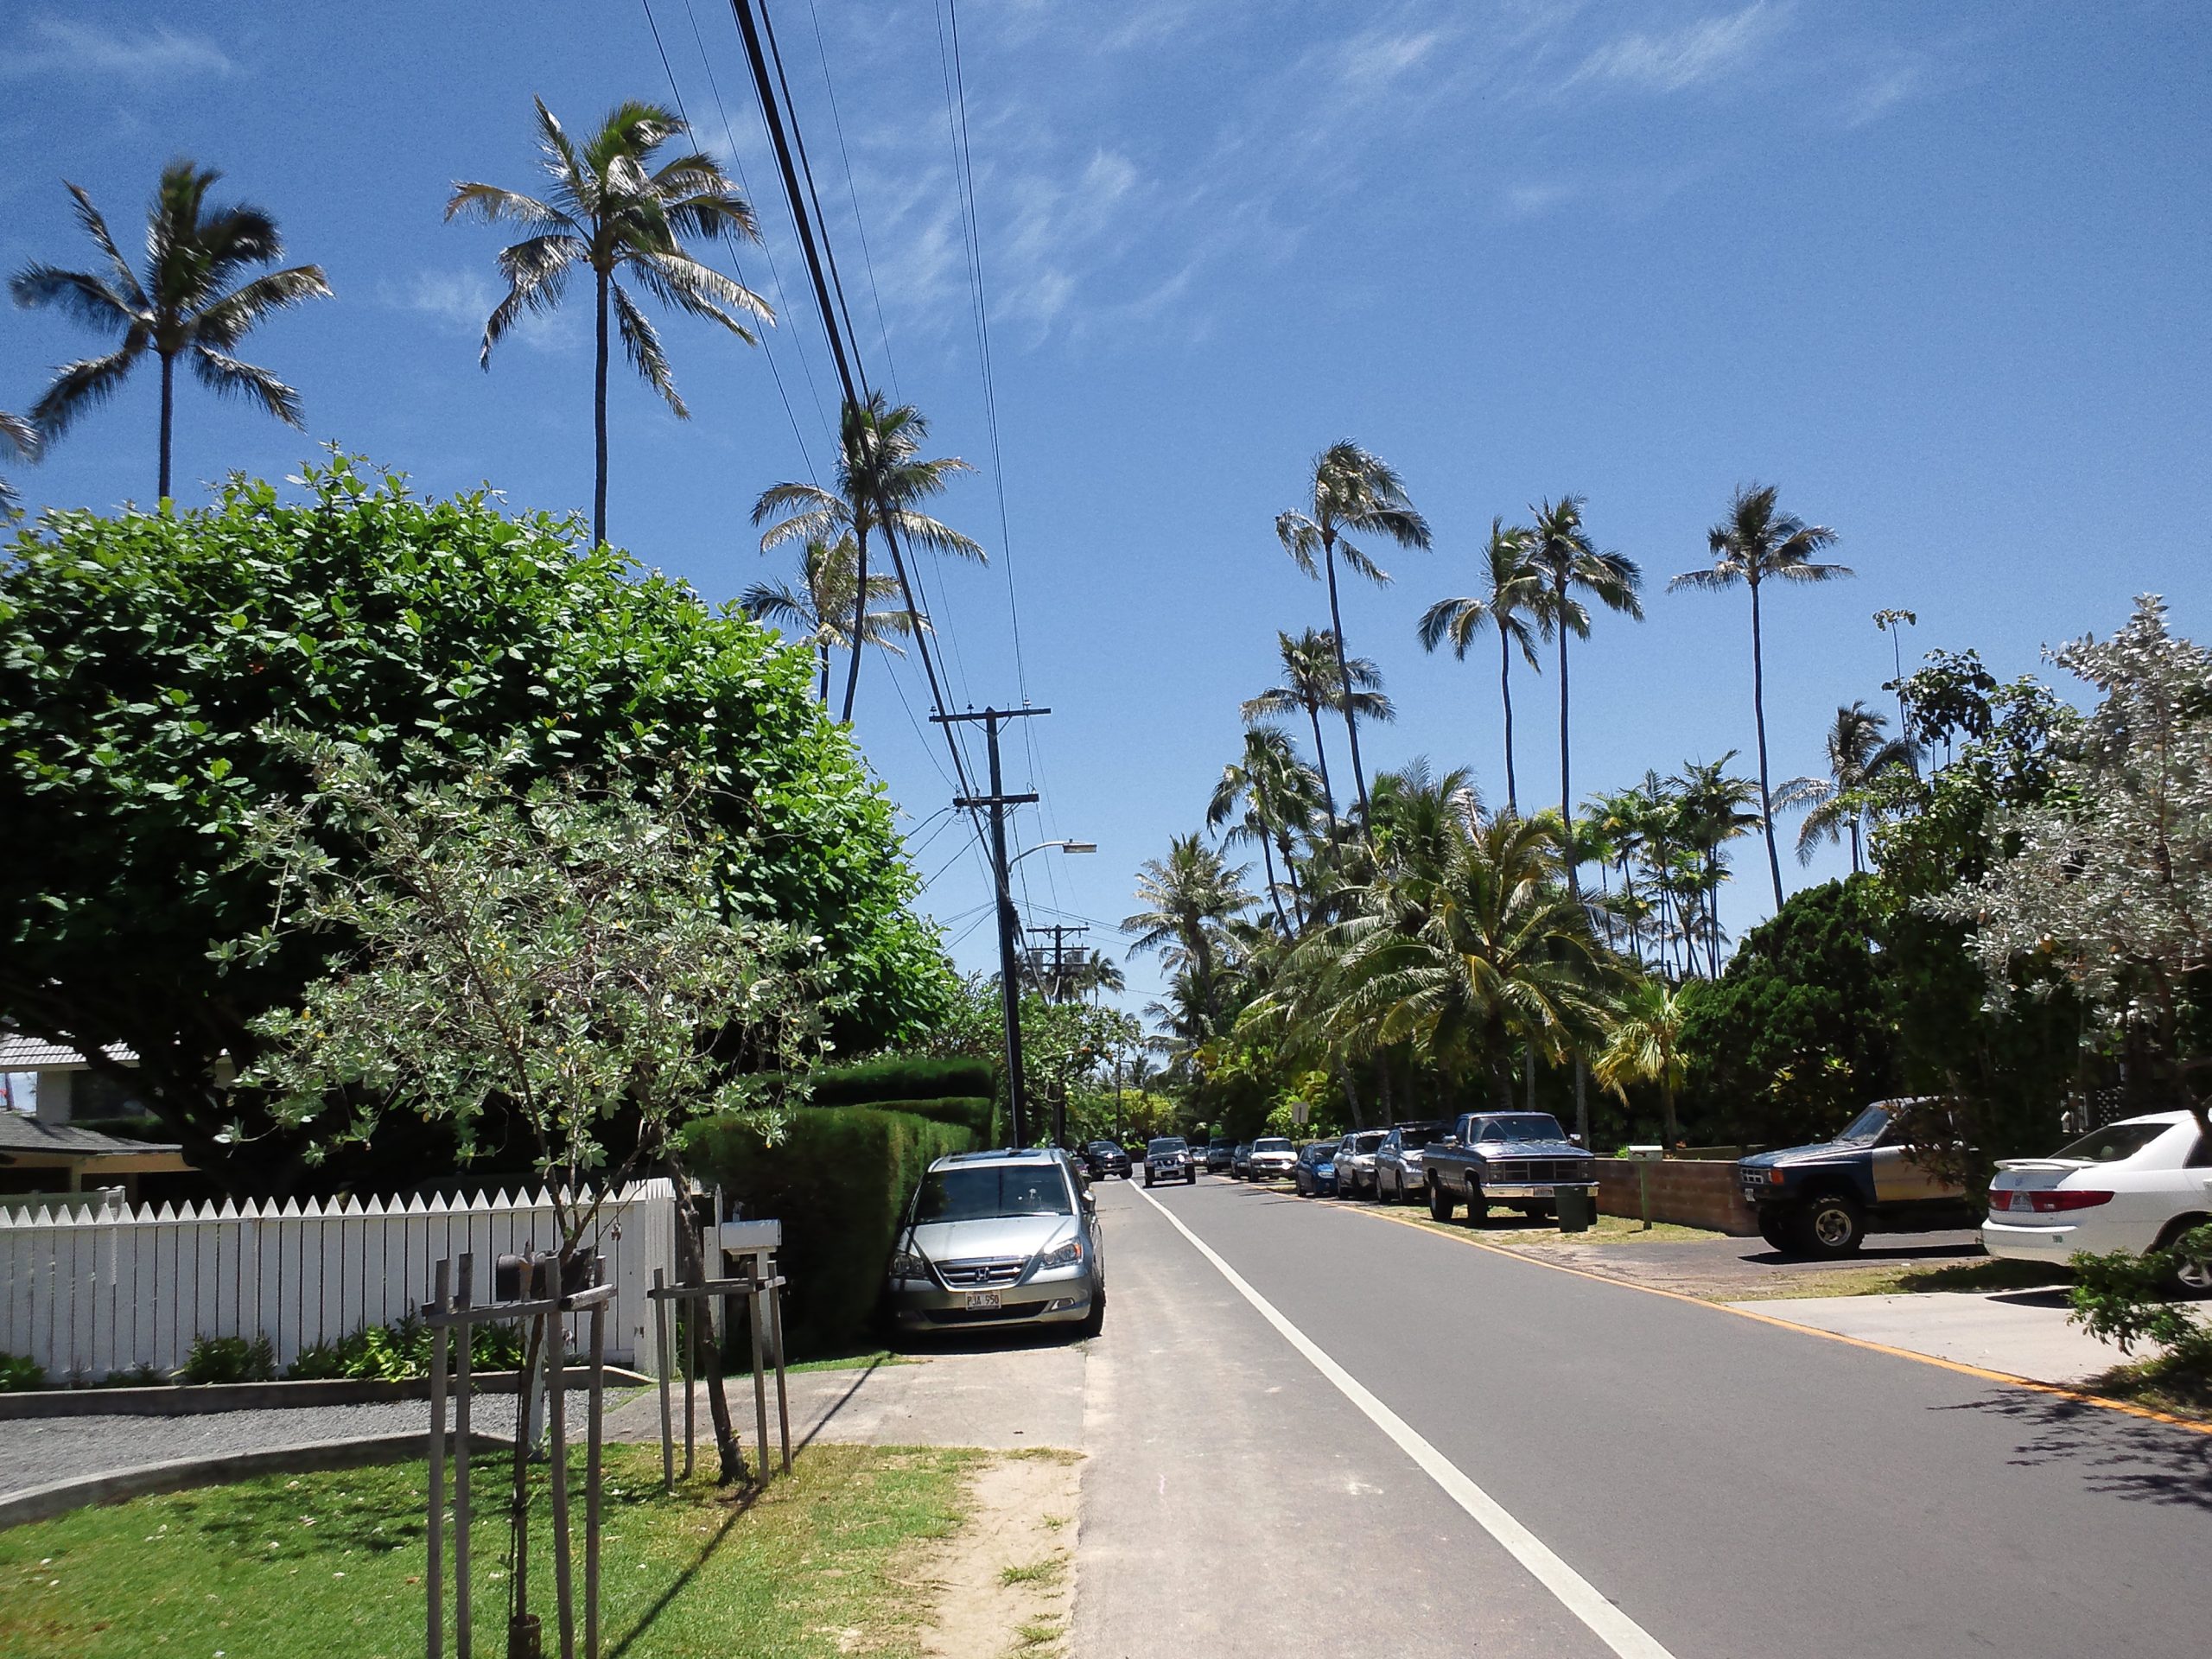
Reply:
x=1061, y=1255
x=909, y=1264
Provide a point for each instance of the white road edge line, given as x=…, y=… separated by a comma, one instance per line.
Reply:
x=1576, y=1593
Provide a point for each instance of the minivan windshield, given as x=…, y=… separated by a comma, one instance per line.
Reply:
x=1520, y=1126
x=979, y=1194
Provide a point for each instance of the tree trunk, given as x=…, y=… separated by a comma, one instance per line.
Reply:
x=1566, y=793
x=691, y=1268
x=823, y=690
x=1290, y=872
x=599, y=425
x=168, y=408
x=1758, y=715
x=1343, y=682
x=1856, y=867
x=1275, y=892
x=1321, y=764
x=859, y=620
x=1505, y=696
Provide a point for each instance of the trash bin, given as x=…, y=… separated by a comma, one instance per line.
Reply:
x=1577, y=1207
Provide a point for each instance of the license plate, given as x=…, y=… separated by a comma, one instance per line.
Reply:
x=979, y=1299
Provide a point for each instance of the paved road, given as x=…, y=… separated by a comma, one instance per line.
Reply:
x=1736, y=1489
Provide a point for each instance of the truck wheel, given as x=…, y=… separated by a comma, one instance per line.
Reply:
x=1190, y=1178
x=1439, y=1201
x=1776, y=1235
x=1831, y=1225
x=1477, y=1206
x=1147, y=1177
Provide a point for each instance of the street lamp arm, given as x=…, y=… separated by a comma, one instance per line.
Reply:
x=1065, y=846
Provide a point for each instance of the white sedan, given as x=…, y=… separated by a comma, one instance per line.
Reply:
x=2136, y=1185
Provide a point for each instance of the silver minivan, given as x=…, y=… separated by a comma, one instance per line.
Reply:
x=1004, y=1238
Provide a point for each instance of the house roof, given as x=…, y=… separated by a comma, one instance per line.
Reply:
x=22, y=1053
x=21, y=1133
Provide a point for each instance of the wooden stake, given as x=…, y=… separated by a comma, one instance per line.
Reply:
x=783, y=1398
x=667, y=1427
x=435, y=1567
x=557, y=1437
x=463, y=1615
x=591, y=1480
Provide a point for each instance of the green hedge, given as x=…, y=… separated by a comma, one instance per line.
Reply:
x=897, y=1077
x=976, y=1113
x=839, y=1180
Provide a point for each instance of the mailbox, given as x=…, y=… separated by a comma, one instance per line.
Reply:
x=1645, y=1155
x=751, y=1235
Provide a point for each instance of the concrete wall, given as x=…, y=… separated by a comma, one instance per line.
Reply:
x=1693, y=1194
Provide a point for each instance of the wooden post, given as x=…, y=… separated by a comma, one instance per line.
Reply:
x=783, y=1399
x=760, y=1375
x=591, y=1479
x=556, y=1438
x=435, y=1567
x=691, y=1313
x=462, y=1614
x=667, y=1427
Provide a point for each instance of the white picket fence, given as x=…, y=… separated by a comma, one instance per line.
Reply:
x=87, y=1292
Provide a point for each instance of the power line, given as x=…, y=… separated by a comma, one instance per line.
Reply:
x=852, y=190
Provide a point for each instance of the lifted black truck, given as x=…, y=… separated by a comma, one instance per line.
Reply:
x=1823, y=1199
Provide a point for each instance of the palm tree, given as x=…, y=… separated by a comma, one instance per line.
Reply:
x=613, y=211
x=1857, y=750
x=1280, y=792
x=1353, y=493
x=1315, y=674
x=19, y=435
x=1712, y=809
x=881, y=481
x=821, y=609
x=1645, y=1046
x=1569, y=566
x=1755, y=542
x=1190, y=897
x=182, y=304
x=1512, y=606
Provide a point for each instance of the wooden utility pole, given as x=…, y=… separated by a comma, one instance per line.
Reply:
x=1061, y=933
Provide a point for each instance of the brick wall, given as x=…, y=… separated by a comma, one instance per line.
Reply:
x=1693, y=1194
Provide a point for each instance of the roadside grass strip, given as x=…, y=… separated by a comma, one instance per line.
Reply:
x=308, y=1565
x=2059, y=1391
x=1620, y=1633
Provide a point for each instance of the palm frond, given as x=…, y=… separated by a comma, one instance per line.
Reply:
x=79, y=293
x=82, y=385
x=230, y=378
x=227, y=321
x=96, y=227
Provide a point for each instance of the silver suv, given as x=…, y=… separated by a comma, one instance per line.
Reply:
x=1006, y=1237
x=1167, y=1158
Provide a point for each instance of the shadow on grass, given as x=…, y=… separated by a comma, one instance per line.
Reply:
x=682, y=1580
x=2118, y=1456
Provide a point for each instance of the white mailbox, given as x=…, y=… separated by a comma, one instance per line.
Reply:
x=1645, y=1155
x=751, y=1235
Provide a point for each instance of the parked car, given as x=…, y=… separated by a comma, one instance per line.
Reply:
x=1356, y=1161
x=1220, y=1158
x=1004, y=1238
x=1168, y=1159
x=1271, y=1159
x=1314, y=1174
x=1398, y=1162
x=1823, y=1199
x=2136, y=1185
x=1522, y=1159
x=1104, y=1158
x=1240, y=1159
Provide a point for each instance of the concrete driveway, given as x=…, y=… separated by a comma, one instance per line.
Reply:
x=2019, y=1333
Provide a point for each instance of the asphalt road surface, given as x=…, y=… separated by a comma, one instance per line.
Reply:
x=1686, y=1482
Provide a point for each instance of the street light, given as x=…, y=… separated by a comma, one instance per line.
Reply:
x=1065, y=846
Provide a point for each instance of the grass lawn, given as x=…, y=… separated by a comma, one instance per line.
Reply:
x=2178, y=1384
x=1980, y=1274
x=331, y=1564
x=1516, y=1233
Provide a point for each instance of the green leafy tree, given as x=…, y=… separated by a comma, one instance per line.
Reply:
x=183, y=304
x=1757, y=542
x=1354, y=494
x=616, y=209
x=1511, y=604
x=883, y=479
x=825, y=604
x=144, y=658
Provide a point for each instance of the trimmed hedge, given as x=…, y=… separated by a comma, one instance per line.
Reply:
x=976, y=1113
x=839, y=1180
x=900, y=1078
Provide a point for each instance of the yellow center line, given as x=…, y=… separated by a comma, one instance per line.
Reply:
x=2056, y=1391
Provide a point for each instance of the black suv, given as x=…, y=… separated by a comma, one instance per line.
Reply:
x=1102, y=1159
x=1823, y=1200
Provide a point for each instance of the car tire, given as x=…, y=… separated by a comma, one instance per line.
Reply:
x=1440, y=1202
x=1147, y=1177
x=2190, y=1278
x=1477, y=1205
x=1773, y=1230
x=1830, y=1227
x=1095, y=1321
x=1190, y=1178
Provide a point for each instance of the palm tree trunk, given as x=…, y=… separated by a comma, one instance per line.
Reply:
x=823, y=688
x=1505, y=696
x=1856, y=868
x=1759, y=716
x=169, y=409
x=860, y=619
x=1275, y=892
x=1343, y=682
x=1321, y=762
x=1566, y=792
x=599, y=424
x=1290, y=872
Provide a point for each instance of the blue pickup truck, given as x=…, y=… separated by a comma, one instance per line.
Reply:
x=1823, y=1199
x=1522, y=1159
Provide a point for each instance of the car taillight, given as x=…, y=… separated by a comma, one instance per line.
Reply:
x=2049, y=1202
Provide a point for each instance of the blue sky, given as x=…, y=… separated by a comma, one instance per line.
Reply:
x=1937, y=269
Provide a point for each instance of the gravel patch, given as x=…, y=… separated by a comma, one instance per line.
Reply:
x=39, y=1450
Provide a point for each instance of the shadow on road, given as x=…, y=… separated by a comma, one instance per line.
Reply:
x=2116, y=1455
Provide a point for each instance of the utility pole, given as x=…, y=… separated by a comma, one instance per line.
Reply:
x=1017, y=1091
x=1061, y=933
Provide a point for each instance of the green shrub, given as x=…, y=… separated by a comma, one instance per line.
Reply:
x=395, y=1353
x=138, y=1377
x=839, y=1180
x=2126, y=1299
x=976, y=1113
x=229, y=1359
x=19, y=1375
x=903, y=1078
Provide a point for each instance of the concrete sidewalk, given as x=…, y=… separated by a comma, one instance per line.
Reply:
x=2020, y=1333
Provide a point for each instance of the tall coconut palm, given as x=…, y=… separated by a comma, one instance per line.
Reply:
x=612, y=212
x=182, y=304
x=20, y=435
x=881, y=481
x=1755, y=543
x=1857, y=750
x=1570, y=570
x=1280, y=792
x=821, y=608
x=1354, y=494
x=1316, y=675
x=1512, y=604
x=1189, y=898
x=1712, y=809
x=1644, y=1045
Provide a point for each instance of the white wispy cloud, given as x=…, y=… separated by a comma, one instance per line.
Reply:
x=55, y=46
x=1672, y=60
x=458, y=301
